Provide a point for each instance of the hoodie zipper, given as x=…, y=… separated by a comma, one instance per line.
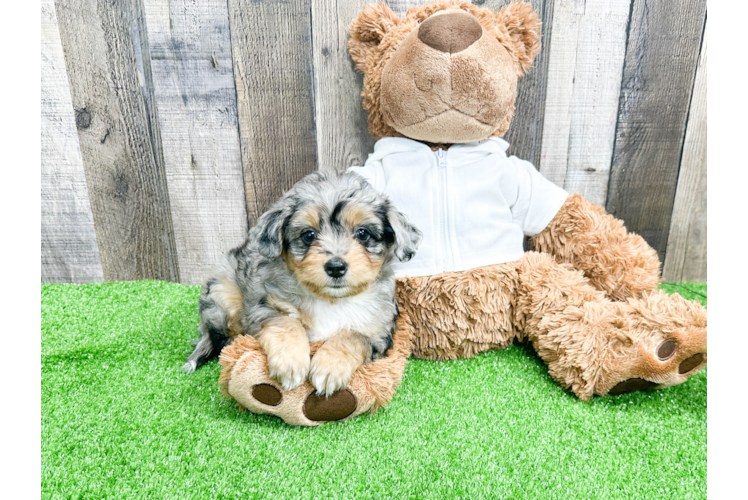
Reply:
x=441, y=157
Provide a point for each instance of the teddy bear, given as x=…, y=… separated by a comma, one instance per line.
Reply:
x=439, y=89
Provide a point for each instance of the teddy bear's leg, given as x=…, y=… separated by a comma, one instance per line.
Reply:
x=621, y=264
x=593, y=345
x=245, y=377
x=460, y=314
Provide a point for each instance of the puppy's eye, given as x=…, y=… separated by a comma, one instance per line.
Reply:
x=362, y=235
x=309, y=236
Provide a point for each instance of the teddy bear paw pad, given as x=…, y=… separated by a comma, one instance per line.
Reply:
x=690, y=363
x=267, y=394
x=669, y=362
x=631, y=385
x=337, y=406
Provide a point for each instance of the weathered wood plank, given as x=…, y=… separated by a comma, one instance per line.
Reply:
x=525, y=134
x=400, y=7
x=124, y=174
x=193, y=86
x=686, y=248
x=659, y=70
x=69, y=252
x=343, y=137
x=584, y=84
x=272, y=54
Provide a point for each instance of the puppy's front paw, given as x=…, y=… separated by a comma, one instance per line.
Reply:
x=331, y=371
x=289, y=365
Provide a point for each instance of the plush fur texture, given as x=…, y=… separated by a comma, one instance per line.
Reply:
x=414, y=90
x=590, y=342
x=586, y=297
x=583, y=235
x=244, y=368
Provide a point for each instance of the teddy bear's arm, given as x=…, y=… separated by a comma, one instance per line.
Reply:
x=620, y=263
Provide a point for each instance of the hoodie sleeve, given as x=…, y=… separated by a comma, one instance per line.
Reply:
x=538, y=199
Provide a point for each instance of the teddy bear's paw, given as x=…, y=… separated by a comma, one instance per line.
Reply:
x=300, y=406
x=664, y=362
x=267, y=394
x=246, y=378
x=669, y=345
x=315, y=407
x=337, y=406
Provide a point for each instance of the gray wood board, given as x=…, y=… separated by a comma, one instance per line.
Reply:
x=399, y=7
x=584, y=83
x=69, y=252
x=686, y=248
x=125, y=177
x=193, y=85
x=658, y=76
x=272, y=54
x=343, y=137
x=525, y=133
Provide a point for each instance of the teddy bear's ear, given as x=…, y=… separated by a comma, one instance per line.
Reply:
x=520, y=22
x=368, y=29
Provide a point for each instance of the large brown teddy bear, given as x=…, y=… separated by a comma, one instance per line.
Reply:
x=439, y=88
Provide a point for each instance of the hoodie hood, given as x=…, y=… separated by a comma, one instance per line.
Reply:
x=471, y=151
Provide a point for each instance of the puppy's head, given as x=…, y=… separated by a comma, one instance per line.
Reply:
x=336, y=234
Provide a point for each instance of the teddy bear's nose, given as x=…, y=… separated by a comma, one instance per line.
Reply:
x=451, y=33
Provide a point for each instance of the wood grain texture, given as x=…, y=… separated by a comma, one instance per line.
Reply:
x=686, y=248
x=193, y=86
x=400, y=7
x=584, y=83
x=659, y=70
x=525, y=134
x=342, y=132
x=185, y=131
x=125, y=177
x=272, y=54
x=69, y=252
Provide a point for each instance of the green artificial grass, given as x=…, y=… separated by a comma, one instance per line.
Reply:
x=121, y=420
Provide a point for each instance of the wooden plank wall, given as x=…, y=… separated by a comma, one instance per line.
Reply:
x=168, y=126
x=69, y=249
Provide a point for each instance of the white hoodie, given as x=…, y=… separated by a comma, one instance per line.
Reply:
x=473, y=203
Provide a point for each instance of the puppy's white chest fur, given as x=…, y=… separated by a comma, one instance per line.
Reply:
x=360, y=313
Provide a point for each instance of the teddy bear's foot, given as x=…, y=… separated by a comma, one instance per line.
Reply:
x=607, y=348
x=686, y=368
x=245, y=378
x=316, y=408
x=668, y=345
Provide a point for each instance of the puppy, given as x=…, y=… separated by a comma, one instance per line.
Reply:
x=317, y=266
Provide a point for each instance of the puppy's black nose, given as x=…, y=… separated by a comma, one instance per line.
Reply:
x=336, y=267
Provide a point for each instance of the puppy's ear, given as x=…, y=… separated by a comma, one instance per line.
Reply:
x=520, y=22
x=269, y=230
x=367, y=30
x=407, y=237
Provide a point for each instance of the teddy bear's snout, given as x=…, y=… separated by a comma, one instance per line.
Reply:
x=450, y=33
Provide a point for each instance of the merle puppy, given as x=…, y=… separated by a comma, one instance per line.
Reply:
x=317, y=266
